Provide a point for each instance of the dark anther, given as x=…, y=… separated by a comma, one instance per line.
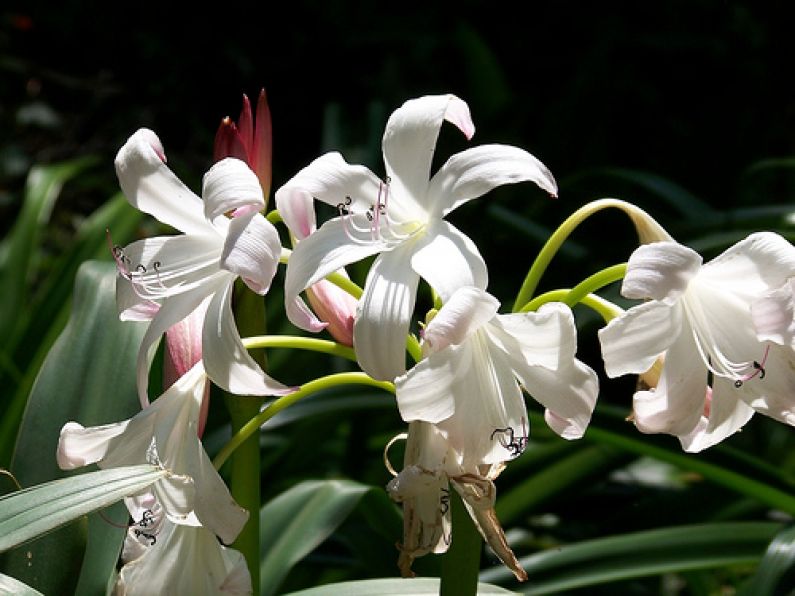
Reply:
x=738, y=383
x=444, y=501
x=760, y=368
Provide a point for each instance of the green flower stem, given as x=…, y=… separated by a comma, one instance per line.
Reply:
x=461, y=562
x=582, y=293
x=250, y=428
x=245, y=480
x=300, y=343
x=648, y=229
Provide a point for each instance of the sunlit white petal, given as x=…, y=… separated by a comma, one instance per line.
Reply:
x=252, y=250
x=231, y=186
x=152, y=187
x=660, y=270
x=464, y=313
x=474, y=172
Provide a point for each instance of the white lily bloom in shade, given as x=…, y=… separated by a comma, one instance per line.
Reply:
x=723, y=329
x=469, y=384
x=402, y=219
x=423, y=488
x=166, y=278
x=163, y=433
x=161, y=557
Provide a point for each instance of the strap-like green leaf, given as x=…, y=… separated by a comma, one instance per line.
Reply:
x=298, y=520
x=28, y=513
x=638, y=554
x=418, y=586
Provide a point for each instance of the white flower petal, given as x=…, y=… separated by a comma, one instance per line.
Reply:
x=675, y=406
x=214, y=505
x=79, y=446
x=465, y=312
x=168, y=265
x=297, y=210
x=171, y=312
x=773, y=393
x=727, y=415
x=226, y=360
x=177, y=494
x=152, y=187
x=448, y=260
x=753, y=266
x=384, y=313
x=329, y=179
x=660, y=270
x=185, y=560
x=231, y=186
x=252, y=250
x=773, y=315
x=544, y=338
x=425, y=392
x=131, y=305
x=490, y=420
x=634, y=340
x=474, y=172
x=330, y=248
x=410, y=140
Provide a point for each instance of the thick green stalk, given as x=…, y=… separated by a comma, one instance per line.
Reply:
x=245, y=479
x=461, y=562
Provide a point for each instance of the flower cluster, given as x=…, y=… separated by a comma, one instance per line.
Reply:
x=712, y=342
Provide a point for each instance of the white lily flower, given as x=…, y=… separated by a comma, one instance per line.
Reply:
x=164, y=279
x=722, y=329
x=164, y=433
x=402, y=219
x=423, y=488
x=469, y=384
x=161, y=557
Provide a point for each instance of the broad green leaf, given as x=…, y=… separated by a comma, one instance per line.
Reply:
x=18, y=250
x=297, y=521
x=9, y=585
x=88, y=377
x=31, y=512
x=418, y=586
x=639, y=554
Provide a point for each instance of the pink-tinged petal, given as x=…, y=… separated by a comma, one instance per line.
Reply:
x=231, y=186
x=727, y=415
x=773, y=315
x=152, y=187
x=330, y=248
x=226, y=360
x=385, y=309
x=425, y=392
x=675, y=406
x=335, y=307
x=171, y=312
x=474, y=172
x=634, y=340
x=297, y=210
x=773, y=394
x=333, y=181
x=79, y=446
x=753, y=266
x=166, y=266
x=252, y=250
x=184, y=345
x=661, y=271
x=410, y=140
x=467, y=310
x=131, y=306
x=448, y=260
